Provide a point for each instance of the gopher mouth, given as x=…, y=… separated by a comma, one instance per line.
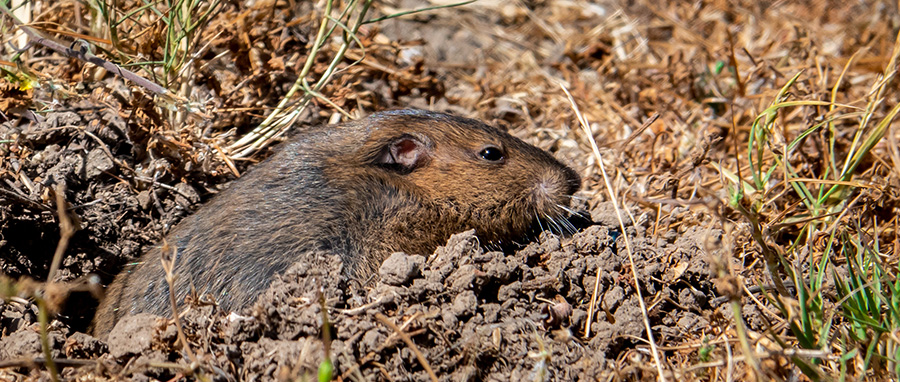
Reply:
x=560, y=221
x=549, y=200
x=562, y=224
x=543, y=207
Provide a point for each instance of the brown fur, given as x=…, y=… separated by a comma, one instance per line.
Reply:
x=396, y=181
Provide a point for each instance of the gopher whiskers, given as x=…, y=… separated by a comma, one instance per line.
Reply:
x=555, y=228
x=559, y=220
x=537, y=218
x=578, y=198
x=569, y=210
x=570, y=228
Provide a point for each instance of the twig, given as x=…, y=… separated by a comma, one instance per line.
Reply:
x=66, y=230
x=412, y=345
x=85, y=55
x=106, y=151
x=24, y=199
x=624, y=144
x=361, y=308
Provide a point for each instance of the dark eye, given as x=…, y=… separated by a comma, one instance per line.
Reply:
x=492, y=154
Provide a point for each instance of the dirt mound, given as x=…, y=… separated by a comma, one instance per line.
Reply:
x=472, y=314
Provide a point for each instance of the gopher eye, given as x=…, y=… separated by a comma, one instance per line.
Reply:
x=492, y=154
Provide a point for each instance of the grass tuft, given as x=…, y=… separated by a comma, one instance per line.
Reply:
x=798, y=210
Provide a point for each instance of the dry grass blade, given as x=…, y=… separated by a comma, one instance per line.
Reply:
x=288, y=110
x=30, y=362
x=612, y=196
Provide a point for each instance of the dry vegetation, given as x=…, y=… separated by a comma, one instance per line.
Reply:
x=768, y=122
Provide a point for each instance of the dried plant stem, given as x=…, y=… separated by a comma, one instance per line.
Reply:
x=612, y=196
x=64, y=362
x=409, y=343
x=66, y=230
x=44, y=319
x=168, y=265
x=372, y=354
x=287, y=111
x=86, y=56
x=741, y=329
x=284, y=116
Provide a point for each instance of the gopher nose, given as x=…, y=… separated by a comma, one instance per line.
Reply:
x=557, y=183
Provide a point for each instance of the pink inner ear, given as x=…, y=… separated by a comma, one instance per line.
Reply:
x=408, y=152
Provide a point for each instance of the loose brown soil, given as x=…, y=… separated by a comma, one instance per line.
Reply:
x=556, y=309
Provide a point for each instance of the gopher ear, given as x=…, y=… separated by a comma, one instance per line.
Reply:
x=404, y=154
